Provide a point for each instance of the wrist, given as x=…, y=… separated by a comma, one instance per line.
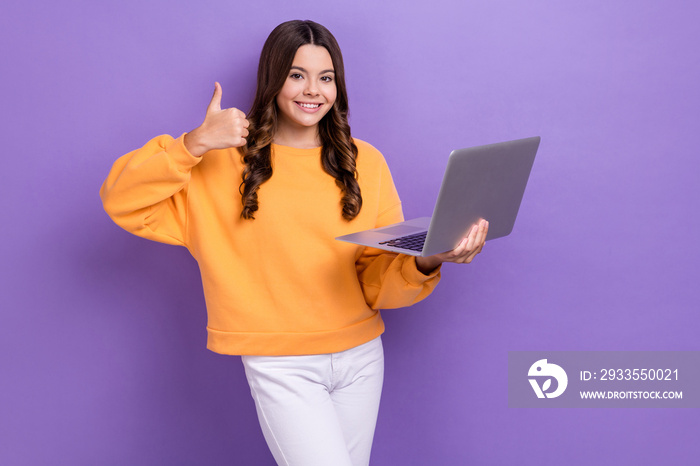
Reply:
x=193, y=143
x=426, y=265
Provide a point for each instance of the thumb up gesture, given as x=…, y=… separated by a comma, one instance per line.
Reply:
x=221, y=129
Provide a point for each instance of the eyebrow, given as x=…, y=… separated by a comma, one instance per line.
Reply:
x=304, y=71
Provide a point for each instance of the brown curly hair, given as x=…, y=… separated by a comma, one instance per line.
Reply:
x=338, y=152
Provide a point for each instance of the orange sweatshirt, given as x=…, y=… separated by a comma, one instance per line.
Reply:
x=279, y=284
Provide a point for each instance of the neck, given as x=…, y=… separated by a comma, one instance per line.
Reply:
x=301, y=137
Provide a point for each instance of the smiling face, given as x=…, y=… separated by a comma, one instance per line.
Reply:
x=307, y=95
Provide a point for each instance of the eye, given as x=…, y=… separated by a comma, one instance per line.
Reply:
x=295, y=76
x=327, y=79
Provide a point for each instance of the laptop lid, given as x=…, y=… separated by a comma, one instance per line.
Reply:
x=479, y=182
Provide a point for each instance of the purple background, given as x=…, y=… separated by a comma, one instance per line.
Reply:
x=102, y=338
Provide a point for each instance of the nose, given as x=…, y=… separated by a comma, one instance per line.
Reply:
x=311, y=88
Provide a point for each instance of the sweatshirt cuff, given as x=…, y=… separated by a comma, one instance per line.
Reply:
x=179, y=153
x=412, y=275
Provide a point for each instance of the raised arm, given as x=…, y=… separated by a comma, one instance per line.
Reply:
x=146, y=191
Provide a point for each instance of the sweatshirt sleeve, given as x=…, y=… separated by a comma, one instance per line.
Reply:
x=391, y=280
x=146, y=190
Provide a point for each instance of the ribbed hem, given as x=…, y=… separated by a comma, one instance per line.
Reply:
x=182, y=157
x=294, y=344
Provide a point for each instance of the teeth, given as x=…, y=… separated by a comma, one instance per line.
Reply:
x=309, y=105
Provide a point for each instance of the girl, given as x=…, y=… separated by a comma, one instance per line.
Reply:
x=258, y=201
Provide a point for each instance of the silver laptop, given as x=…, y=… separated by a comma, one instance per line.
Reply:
x=480, y=182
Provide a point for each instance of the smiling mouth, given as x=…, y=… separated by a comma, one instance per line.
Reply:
x=305, y=105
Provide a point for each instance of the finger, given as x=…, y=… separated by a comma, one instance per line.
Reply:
x=480, y=240
x=472, y=245
x=464, y=248
x=215, y=103
x=472, y=232
x=240, y=118
x=472, y=238
x=481, y=234
x=460, y=249
x=471, y=255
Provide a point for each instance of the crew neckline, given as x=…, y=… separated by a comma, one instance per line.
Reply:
x=296, y=150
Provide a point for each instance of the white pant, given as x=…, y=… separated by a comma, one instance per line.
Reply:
x=318, y=409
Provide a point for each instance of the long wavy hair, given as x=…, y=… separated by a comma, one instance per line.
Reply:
x=338, y=152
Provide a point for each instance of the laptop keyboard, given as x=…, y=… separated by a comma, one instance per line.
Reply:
x=413, y=242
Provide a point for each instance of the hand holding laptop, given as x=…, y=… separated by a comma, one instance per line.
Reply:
x=464, y=253
x=480, y=183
